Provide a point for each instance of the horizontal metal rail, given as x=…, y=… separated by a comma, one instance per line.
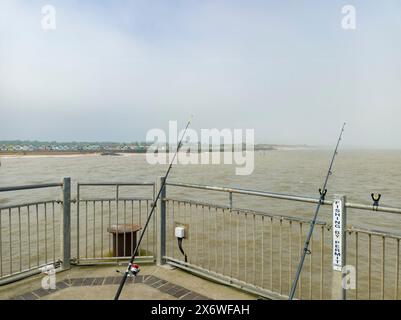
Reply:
x=243, y=210
x=30, y=187
x=113, y=184
x=225, y=280
x=112, y=260
x=17, y=276
x=114, y=199
x=372, y=208
x=29, y=204
x=374, y=232
x=250, y=192
x=289, y=197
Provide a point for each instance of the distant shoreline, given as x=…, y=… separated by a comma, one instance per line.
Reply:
x=100, y=152
x=46, y=153
x=63, y=154
x=17, y=154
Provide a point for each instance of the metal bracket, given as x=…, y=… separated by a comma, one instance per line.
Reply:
x=375, y=200
x=57, y=264
x=322, y=194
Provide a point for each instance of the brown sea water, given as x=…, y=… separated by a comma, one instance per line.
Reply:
x=213, y=240
x=357, y=173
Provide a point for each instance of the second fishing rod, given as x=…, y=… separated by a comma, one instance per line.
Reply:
x=162, y=186
x=306, y=250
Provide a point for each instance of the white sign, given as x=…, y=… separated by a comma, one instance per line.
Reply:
x=338, y=221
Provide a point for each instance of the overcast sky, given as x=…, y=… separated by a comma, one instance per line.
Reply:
x=112, y=70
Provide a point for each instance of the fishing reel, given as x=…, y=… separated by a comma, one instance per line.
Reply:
x=133, y=270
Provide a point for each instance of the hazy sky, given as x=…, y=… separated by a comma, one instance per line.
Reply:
x=112, y=70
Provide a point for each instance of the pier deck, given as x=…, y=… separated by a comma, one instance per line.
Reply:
x=100, y=283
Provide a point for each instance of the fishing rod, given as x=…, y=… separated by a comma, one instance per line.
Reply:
x=312, y=226
x=130, y=264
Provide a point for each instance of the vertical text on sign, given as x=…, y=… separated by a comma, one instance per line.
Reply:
x=338, y=221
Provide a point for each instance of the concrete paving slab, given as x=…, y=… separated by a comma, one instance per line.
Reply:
x=101, y=282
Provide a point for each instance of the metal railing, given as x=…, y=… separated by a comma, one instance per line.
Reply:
x=258, y=251
x=95, y=216
x=30, y=234
x=251, y=249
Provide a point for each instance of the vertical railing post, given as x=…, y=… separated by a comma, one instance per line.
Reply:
x=339, y=247
x=230, y=199
x=78, y=204
x=161, y=222
x=66, y=225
